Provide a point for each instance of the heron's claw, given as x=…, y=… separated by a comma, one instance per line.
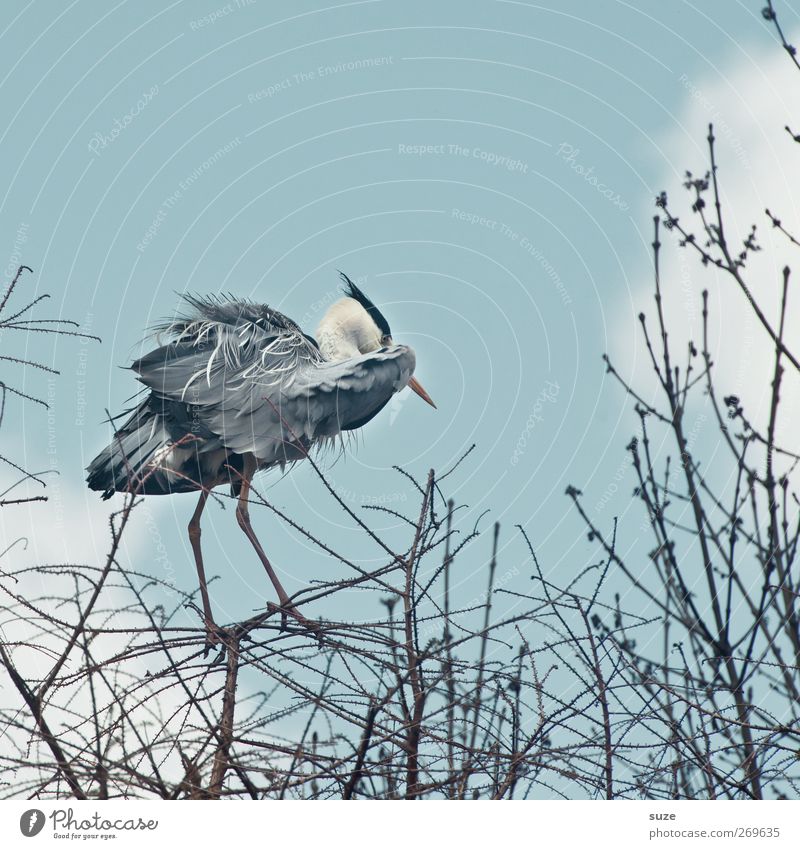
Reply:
x=215, y=636
x=289, y=609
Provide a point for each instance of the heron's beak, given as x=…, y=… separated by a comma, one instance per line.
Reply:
x=416, y=386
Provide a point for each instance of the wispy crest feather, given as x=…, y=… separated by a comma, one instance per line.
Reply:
x=251, y=340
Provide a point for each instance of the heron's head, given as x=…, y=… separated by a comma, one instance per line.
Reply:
x=354, y=326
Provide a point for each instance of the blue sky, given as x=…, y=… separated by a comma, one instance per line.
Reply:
x=485, y=171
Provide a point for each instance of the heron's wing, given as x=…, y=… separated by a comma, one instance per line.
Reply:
x=213, y=350
x=249, y=376
x=223, y=336
x=278, y=423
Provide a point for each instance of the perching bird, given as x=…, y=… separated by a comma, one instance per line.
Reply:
x=238, y=388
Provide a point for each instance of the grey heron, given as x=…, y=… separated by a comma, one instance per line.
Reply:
x=237, y=387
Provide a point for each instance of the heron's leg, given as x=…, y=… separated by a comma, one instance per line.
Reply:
x=243, y=517
x=194, y=539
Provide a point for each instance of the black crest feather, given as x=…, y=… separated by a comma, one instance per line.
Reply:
x=352, y=291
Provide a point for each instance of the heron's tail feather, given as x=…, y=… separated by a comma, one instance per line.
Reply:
x=131, y=462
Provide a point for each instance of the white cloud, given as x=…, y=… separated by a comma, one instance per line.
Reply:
x=749, y=103
x=71, y=527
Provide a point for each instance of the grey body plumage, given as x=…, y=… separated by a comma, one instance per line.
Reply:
x=232, y=378
x=233, y=387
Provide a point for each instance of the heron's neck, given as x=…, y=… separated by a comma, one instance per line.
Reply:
x=346, y=331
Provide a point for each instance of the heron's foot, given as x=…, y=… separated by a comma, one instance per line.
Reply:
x=215, y=637
x=288, y=610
